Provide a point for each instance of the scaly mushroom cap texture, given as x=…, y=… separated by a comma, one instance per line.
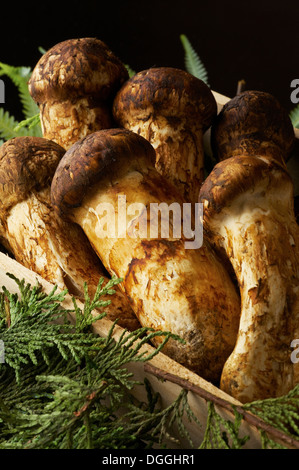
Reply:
x=253, y=122
x=232, y=179
x=168, y=92
x=171, y=109
x=75, y=68
x=26, y=163
x=101, y=153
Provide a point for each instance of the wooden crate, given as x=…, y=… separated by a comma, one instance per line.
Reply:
x=174, y=376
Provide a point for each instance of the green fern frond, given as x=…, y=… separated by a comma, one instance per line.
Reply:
x=294, y=116
x=42, y=50
x=193, y=63
x=31, y=125
x=20, y=77
x=8, y=125
x=130, y=71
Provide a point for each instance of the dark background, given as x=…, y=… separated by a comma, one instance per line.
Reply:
x=256, y=41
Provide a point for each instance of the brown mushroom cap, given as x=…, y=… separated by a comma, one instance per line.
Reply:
x=84, y=66
x=235, y=177
x=252, y=122
x=26, y=163
x=97, y=154
x=165, y=91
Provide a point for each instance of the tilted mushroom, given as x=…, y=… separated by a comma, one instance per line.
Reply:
x=253, y=122
x=171, y=287
x=171, y=109
x=249, y=212
x=74, y=84
x=57, y=250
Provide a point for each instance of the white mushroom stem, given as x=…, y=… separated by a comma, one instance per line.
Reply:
x=171, y=109
x=179, y=151
x=67, y=122
x=60, y=252
x=259, y=233
x=27, y=236
x=74, y=84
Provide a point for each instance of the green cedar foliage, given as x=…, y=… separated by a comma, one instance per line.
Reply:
x=62, y=386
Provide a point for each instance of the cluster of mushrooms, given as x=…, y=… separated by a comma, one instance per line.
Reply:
x=235, y=300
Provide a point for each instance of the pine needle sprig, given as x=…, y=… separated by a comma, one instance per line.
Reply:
x=31, y=326
x=158, y=426
x=281, y=413
x=70, y=388
x=62, y=400
x=177, y=421
x=193, y=63
x=83, y=320
x=128, y=349
x=221, y=433
x=58, y=414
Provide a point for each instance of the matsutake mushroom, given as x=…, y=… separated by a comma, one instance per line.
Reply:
x=171, y=109
x=249, y=212
x=56, y=249
x=171, y=286
x=253, y=123
x=74, y=84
